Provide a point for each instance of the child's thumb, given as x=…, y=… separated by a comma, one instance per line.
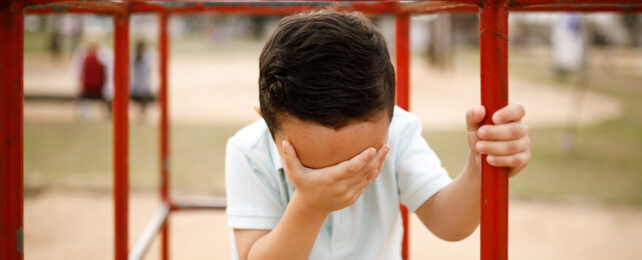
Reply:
x=475, y=117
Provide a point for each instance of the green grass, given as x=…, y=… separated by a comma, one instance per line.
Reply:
x=80, y=154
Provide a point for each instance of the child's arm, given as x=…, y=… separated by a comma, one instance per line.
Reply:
x=318, y=192
x=454, y=212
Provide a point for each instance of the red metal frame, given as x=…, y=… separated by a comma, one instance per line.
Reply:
x=493, y=33
x=121, y=133
x=494, y=95
x=11, y=123
x=402, y=55
x=164, y=128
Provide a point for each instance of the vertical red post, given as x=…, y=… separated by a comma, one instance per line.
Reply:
x=402, y=51
x=121, y=135
x=164, y=129
x=493, y=32
x=11, y=125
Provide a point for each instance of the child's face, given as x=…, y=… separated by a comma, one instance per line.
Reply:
x=319, y=146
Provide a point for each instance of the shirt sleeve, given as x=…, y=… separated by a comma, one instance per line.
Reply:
x=419, y=171
x=253, y=200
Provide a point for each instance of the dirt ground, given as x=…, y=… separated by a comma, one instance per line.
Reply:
x=79, y=225
x=221, y=87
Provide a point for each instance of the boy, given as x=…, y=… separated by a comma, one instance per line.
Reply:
x=321, y=176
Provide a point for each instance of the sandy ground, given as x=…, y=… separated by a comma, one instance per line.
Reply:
x=79, y=225
x=222, y=87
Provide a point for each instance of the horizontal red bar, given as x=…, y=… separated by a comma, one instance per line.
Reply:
x=263, y=8
x=75, y=6
x=434, y=7
x=377, y=8
x=583, y=8
x=525, y=3
x=53, y=10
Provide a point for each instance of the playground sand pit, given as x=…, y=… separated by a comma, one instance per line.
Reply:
x=64, y=224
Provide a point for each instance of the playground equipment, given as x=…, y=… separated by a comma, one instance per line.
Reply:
x=494, y=95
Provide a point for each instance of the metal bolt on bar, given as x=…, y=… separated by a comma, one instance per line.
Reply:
x=494, y=95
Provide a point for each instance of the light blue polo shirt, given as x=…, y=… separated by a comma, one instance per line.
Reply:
x=258, y=191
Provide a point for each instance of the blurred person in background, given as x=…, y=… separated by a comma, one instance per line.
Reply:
x=140, y=72
x=92, y=66
x=55, y=39
x=568, y=45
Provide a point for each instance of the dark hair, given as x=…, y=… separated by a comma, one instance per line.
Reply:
x=327, y=67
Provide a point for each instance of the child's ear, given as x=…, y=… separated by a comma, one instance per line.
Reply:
x=257, y=109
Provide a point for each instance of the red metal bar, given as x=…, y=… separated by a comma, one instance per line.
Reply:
x=402, y=51
x=434, y=7
x=121, y=138
x=41, y=10
x=100, y=7
x=95, y=4
x=524, y=3
x=580, y=8
x=267, y=8
x=251, y=8
x=512, y=3
x=11, y=125
x=493, y=32
x=164, y=129
x=379, y=7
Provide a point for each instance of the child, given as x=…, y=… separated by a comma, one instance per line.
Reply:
x=322, y=175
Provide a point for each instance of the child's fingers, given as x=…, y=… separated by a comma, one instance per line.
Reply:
x=373, y=167
x=503, y=147
x=291, y=163
x=380, y=159
x=356, y=164
x=503, y=132
x=513, y=161
x=510, y=113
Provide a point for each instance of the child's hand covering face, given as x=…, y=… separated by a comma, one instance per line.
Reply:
x=334, y=187
x=506, y=143
x=319, y=146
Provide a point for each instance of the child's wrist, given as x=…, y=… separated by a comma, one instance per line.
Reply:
x=472, y=166
x=308, y=209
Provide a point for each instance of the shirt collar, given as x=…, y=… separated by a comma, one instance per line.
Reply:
x=274, y=153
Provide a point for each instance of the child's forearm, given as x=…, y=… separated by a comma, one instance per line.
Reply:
x=453, y=213
x=294, y=236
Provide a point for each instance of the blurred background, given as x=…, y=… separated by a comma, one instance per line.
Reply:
x=577, y=75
